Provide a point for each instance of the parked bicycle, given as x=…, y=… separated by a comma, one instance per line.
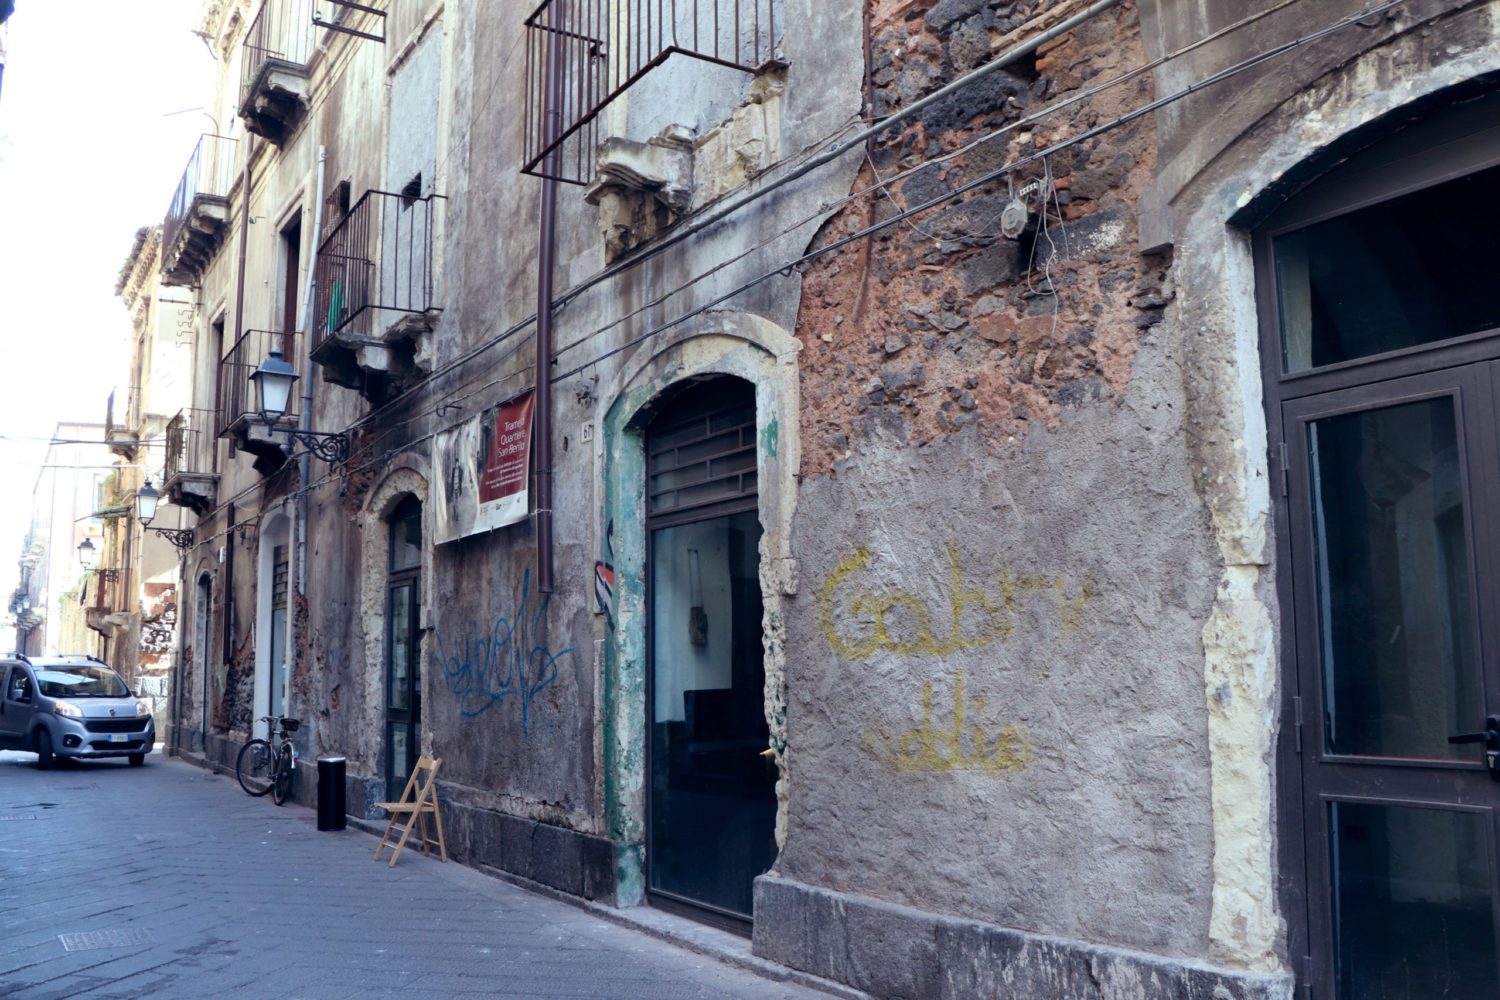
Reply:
x=268, y=765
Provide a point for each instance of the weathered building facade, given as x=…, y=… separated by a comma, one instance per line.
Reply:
x=132, y=607
x=57, y=578
x=1023, y=540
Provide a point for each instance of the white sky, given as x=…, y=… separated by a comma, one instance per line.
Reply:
x=88, y=154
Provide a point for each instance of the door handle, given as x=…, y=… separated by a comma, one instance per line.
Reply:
x=1491, y=740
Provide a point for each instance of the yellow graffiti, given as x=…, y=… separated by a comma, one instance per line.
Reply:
x=926, y=748
x=880, y=608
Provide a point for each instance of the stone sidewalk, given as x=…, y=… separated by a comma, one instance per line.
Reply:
x=168, y=881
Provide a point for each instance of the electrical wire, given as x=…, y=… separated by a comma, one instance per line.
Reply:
x=880, y=184
x=1039, y=155
x=799, y=262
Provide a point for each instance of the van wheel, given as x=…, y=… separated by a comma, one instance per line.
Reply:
x=137, y=759
x=44, y=756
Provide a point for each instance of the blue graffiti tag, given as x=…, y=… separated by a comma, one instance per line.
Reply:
x=483, y=671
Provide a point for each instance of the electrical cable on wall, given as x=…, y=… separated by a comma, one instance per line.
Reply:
x=811, y=255
x=694, y=227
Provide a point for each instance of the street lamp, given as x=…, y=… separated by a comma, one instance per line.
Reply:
x=145, y=503
x=87, y=553
x=145, y=508
x=273, y=382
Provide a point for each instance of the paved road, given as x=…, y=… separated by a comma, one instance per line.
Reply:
x=229, y=896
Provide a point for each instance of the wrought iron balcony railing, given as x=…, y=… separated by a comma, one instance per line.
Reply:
x=188, y=479
x=116, y=411
x=236, y=399
x=106, y=590
x=602, y=47
x=199, y=214
x=282, y=32
x=121, y=421
x=273, y=68
x=178, y=436
x=377, y=260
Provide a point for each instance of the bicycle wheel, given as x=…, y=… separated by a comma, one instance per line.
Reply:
x=253, y=767
x=282, y=787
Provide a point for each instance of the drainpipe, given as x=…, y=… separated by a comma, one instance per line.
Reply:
x=239, y=281
x=545, y=257
x=304, y=471
x=228, y=650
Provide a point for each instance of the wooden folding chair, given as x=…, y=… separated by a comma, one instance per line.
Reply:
x=418, y=801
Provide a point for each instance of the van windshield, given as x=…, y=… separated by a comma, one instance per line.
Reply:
x=81, y=682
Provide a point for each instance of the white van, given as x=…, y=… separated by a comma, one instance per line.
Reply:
x=71, y=706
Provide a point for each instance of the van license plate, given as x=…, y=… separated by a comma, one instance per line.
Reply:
x=119, y=737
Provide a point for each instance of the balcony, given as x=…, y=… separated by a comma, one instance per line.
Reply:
x=182, y=485
x=107, y=615
x=586, y=53
x=274, y=80
x=26, y=616
x=237, y=418
x=377, y=294
x=198, y=218
x=121, y=423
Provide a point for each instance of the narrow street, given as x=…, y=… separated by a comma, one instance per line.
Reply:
x=180, y=885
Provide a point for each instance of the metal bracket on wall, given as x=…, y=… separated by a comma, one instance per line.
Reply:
x=343, y=13
x=181, y=538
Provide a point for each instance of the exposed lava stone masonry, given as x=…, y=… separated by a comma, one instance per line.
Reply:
x=942, y=321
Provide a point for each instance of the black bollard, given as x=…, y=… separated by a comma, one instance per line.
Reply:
x=330, y=793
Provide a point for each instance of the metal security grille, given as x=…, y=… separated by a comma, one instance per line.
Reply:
x=701, y=449
x=91, y=940
x=278, y=579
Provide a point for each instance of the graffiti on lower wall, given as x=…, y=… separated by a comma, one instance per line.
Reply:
x=952, y=738
x=488, y=668
x=604, y=577
x=858, y=622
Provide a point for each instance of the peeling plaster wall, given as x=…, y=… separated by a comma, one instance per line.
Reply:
x=998, y=709
x=1099, y=578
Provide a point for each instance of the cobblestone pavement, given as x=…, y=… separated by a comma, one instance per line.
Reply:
x=199, y=890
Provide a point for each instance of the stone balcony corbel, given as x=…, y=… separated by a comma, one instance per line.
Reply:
x=642, y=188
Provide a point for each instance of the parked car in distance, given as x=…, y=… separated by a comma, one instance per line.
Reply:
x=71, y=706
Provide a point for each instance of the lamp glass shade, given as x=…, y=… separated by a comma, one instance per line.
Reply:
x=87, y=553
x=273, y=382
x=145, y=502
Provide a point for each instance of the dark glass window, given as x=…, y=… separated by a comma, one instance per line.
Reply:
x=1411, y=271
x=406, y=534
x=1393, y=581
x=1413, y=912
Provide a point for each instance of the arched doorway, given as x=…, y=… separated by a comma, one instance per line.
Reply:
x=403, y=679
x=202, y=643
x=1381, y=356
x=272, y=616
x=711, y=805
